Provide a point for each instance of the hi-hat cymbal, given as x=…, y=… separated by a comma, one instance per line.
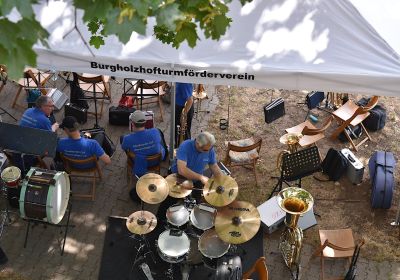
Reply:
x=141, y=222
x=179, y=187
x=152, y=188
x=238, y=222
x=220, y=191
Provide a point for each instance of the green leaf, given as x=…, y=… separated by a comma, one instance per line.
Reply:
x=186, y=32
x=24, y=7
x=96, y=41
x=31, y=30
x=123, y=30
x=93, y=26
x=8, y=33
x=141, y=7
x=168, y=15
x=18, y=57
x=93, y=8
x=221, y=23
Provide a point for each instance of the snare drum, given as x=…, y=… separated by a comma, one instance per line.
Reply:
x=177, y=215
x=44, y=195
x=212, y=247
x=173, y=245
x=202, y=216
x=11, y=176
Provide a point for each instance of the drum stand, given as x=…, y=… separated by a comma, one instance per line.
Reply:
x=36, y=222
x=143, y=247
x=5, y=214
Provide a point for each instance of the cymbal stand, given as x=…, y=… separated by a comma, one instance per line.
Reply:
x=5, y=214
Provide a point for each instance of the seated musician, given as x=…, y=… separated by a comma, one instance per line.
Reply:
x=192, y=158
x=77, y=147
x=38, y=117
x=142, y=142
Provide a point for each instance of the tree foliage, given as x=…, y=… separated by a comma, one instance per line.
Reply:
x=177, y=21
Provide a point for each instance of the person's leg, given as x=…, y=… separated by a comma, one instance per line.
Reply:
x=163, y=143
x=132, y=193
x=178, y=113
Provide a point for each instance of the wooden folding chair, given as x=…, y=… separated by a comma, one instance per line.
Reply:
x=351, y=115
x=71, y=166
x=150, y=159
x=91, y=84
x=310, y=133
x=148, y=92
x=244, y=152
x=258, y=267
x=337, y=243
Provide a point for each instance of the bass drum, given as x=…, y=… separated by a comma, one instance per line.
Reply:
x=44, y=195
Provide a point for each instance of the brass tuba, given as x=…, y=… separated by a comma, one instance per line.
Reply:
x=182, y=126
x=295, y=202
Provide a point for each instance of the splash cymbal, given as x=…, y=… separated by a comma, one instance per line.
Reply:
x=152, y=188
x=141, y=222
x=238, y=222
x=179, y=187
x=220, y=191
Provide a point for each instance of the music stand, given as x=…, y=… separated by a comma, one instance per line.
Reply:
x=297, y=165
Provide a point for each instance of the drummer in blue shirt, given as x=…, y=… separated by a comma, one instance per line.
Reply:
x=38, y=117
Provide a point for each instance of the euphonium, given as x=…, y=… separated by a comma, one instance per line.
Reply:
x=292, y=139
x=182, y=127
x=295, y=202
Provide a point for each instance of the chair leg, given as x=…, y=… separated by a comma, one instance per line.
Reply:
x=255, y=172
x=322, y=267
x=350, y=140
x=94, y=186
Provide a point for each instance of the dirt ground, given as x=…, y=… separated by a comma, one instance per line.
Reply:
x=339, y=204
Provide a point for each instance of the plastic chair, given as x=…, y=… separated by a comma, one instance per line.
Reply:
x=311, y=134
x=131, y=161
x=258, y=267
x=70, y=166
x=350, y=115
x=337, y=243
x=244, y=152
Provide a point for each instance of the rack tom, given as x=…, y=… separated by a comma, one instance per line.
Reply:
x=177, y=215
x=202, y=216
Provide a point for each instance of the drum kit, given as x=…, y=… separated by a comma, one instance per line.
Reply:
x=43, y=195
x=210, y=229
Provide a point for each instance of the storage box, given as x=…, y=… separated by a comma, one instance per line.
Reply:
x=355, y=168
x=272, y=216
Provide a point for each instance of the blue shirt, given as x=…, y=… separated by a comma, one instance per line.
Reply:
x=183, y=92
x=195, y=160
x=143, y=143
x=35, y=118
x=81, y=148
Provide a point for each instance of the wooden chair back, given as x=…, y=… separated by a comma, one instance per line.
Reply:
x=150, y=85
x=371, y=104
x=70, y=164
x=240, y=149
x=314, y=131
x=150, y=159
x=258, y=267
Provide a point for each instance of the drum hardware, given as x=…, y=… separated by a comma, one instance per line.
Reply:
x=44, y=199
x=295, y=202
x=6, y=213
x=152, y=188
x=238, y=222
x=220, y=191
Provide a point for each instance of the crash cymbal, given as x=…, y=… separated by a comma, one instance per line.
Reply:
x=141, y=222
x=220, y=191
x=152, y=188
x=179, y=187
x=238, y=222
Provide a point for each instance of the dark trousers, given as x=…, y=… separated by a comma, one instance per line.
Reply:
x=178, y=114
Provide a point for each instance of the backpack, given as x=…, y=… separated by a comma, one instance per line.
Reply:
x=334, y=164
x=377, y=116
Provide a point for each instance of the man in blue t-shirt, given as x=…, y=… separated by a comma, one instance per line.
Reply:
x=77, y=147
x=38, y=117
x=192, y=158
x=183, y=104
x=143, y=143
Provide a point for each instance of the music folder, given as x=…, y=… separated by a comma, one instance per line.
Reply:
x=28, y=140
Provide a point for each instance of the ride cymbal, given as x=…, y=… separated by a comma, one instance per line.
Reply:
x=220, y=191
x=141, y=222
x=179, y=187
x=152, y=188
x=238, y=222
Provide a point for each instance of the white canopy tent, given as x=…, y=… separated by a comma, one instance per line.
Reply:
x=292, y=44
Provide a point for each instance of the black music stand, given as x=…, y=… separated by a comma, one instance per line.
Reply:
x=297, y=165
x=36, y=222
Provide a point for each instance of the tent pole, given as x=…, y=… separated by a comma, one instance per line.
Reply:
x=172, y=122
